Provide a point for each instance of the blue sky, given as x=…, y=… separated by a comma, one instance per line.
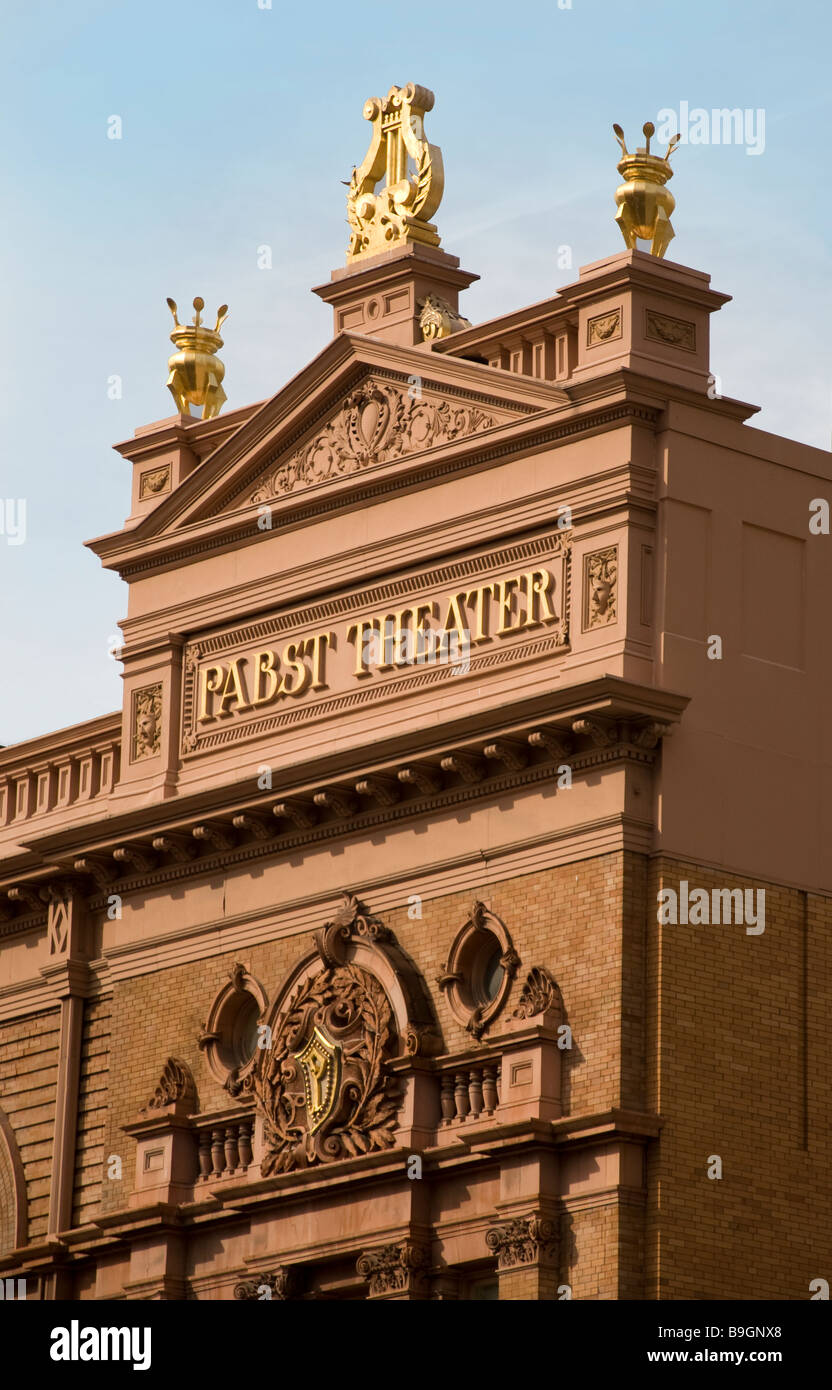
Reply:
x=238, y=125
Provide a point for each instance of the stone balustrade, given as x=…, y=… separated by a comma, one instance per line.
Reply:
x=225, y=1147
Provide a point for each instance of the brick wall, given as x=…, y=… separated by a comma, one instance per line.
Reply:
x=90, y=1158
x=738, y=1066
x=28, y=1080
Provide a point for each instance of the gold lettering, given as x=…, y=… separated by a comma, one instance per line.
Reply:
x=480, y=633
x=234, y=689
x=422, y=635
x=356, y=636
x=293, y=654
x=264, y=666
x=395, y=639
x=210, y=681
x=454, y=612
x=319, y=642
x=543, y=584
x=505, y=600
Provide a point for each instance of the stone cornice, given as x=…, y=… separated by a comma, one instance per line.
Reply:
x=607, y=699
x=494, y=446
x=478, y=1147
x=77, y=738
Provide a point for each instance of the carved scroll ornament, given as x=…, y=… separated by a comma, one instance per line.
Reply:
x=376, y=424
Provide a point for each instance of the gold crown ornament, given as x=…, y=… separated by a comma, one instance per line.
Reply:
x=196, y=372
x=644, y=204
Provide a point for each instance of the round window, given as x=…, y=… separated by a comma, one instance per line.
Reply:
x=230, y=1034
x=480, y=967
x=243, y=1031
x=492, y=976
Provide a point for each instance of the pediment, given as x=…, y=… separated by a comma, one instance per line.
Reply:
x=380, y=420
x=360, y=406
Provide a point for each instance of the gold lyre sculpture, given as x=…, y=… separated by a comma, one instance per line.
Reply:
x=644, y=204
x=196, y=372
x=400, y=211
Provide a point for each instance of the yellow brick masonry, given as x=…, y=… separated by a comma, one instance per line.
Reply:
x=738, y=1065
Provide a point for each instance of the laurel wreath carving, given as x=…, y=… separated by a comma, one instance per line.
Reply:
x=424, y=173
x=401, y=423
x=351, y=1007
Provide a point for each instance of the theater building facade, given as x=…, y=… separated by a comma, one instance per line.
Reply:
x=373, y=948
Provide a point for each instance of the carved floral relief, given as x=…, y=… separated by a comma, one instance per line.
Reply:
x=600, y=588
x=374, y=425
x=147, y=722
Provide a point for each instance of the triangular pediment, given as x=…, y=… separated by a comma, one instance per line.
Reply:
x=379, y=420
x=360, y=406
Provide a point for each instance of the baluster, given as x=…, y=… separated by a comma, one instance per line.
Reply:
x=461, y=1094
x=489, y=1089
x=446, y=1099
x=231, y=1155
x=204, y=1154
x=475, y=1092
x=245, y=1144
x=217, y=1153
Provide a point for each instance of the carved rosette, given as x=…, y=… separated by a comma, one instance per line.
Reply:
x=394, y=1269
x=376, y=424
x=539, y=994
x=524, y=1241
x=175, y=1084
x=600, y=588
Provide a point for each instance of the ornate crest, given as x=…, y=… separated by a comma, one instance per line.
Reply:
x=321, y=1063
x=400, y=211
x=322, y=1087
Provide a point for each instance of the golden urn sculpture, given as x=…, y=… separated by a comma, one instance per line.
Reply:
x=644, y=203
x=196, y=372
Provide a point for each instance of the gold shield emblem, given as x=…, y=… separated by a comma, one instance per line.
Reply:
x=321, y=1063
